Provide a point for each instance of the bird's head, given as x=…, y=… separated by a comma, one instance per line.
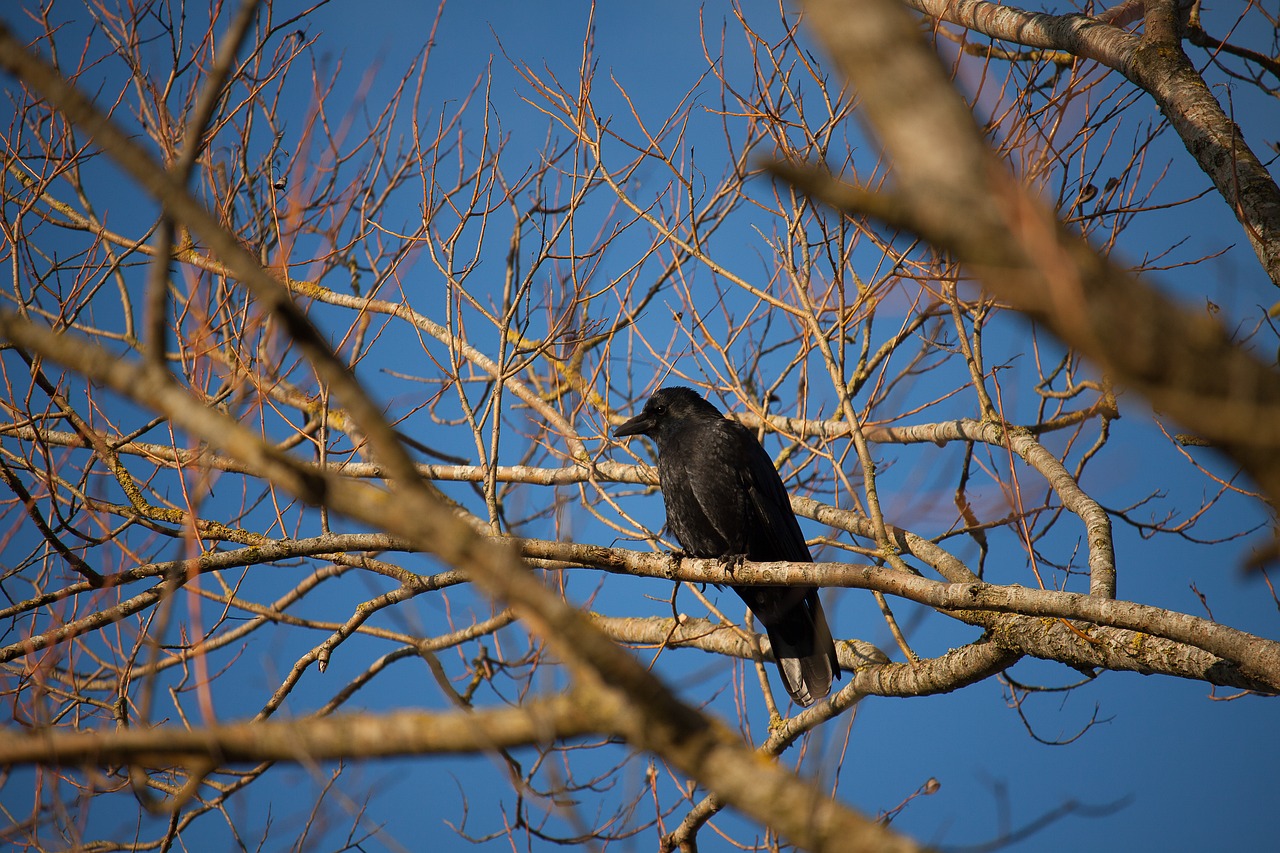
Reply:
x=667, y=408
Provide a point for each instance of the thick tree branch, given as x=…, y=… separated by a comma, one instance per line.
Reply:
x=643, y=710
x=1156, y=62
x=331, y=738
x=872, y=673
x=1257, y=659
x=962, y=200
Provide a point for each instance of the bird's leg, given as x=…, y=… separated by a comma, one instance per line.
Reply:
x=732, y=562
x=674, y=557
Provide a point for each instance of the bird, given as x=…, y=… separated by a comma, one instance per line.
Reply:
x=724, y=499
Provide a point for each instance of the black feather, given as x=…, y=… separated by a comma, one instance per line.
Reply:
x=724, y=499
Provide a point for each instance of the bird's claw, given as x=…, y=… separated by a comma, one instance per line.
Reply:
x=733, y=562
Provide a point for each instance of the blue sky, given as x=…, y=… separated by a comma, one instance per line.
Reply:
x=1164, y=767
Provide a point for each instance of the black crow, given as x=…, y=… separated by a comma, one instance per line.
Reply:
x=724, y=499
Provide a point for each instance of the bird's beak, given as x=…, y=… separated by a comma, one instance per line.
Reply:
x=639, y=425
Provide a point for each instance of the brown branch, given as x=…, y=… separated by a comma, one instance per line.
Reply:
x=33, y=512
x=329, y=738
x=872, y=673
x=183, y=208
x=961, y=199
x=641, y=708
x=1154, y=61
x=1257, y=659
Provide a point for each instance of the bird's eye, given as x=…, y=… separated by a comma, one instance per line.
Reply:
x=658, y=410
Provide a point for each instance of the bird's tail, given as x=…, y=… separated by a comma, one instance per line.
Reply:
x=805, y=652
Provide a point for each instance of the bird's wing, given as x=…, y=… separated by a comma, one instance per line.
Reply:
x=776, y=533
x=707, y=509
x=724, y=497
